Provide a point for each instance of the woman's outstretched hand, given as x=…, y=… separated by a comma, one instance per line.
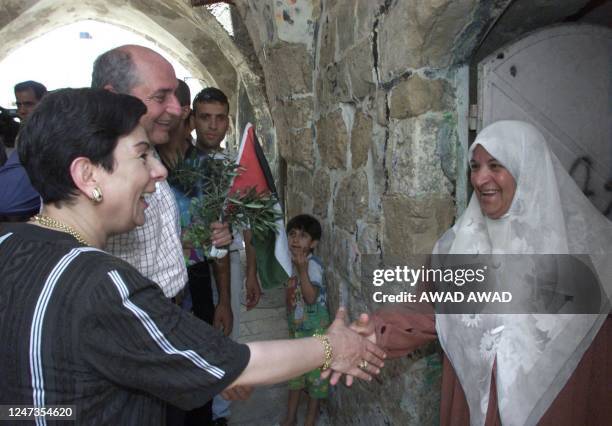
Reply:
x=353, y=354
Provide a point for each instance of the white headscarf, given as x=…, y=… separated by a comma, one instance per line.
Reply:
x=536, y=353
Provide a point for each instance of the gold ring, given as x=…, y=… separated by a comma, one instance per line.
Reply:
x=363, y=364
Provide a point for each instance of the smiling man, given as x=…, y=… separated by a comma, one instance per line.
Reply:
x=154, y=248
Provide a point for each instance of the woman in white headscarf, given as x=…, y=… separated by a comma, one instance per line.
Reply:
x=530, y=368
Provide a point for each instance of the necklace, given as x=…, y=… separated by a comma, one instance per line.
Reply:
x=56, y=224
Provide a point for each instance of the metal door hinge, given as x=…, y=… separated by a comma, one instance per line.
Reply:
x=473, y=117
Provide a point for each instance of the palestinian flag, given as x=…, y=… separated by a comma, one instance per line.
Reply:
x=273, y=257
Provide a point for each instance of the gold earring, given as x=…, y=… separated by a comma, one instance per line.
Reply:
x=96, y=195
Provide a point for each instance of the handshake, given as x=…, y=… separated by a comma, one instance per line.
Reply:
x=355, y=353
x=345, y=349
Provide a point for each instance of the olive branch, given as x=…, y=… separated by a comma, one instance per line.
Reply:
x=207, y=180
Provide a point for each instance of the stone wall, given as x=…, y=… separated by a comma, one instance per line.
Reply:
x=359, y=99
x=363, y=98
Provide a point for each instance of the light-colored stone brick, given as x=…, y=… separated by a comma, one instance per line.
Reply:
x=361, y=139
x=414, y=224
x=416, y=96
x=413, y=160
x=351, y=201
x=296, y=146
x=332, y=140
x=296, y=63
x=359, y=65
x=321, y=194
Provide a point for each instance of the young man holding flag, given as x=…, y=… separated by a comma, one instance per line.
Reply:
x=210, y=119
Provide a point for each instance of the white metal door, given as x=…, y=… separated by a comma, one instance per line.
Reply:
x=558, y=79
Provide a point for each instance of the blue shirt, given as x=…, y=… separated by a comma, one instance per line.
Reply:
x=17, y=196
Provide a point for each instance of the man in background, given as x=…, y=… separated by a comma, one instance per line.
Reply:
x=18, y=199
x=180, y=140
x=179, y=147
x=210, y=119
x=27, y=95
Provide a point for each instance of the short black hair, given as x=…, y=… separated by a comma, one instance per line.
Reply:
x=306, y=223
x=210, y=94
x=182, y=92
x=39, y=89
x=71, y=123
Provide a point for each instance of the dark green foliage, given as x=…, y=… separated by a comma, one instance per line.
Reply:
x=208, y=179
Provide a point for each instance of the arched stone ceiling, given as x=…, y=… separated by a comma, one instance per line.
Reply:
x=192, y=35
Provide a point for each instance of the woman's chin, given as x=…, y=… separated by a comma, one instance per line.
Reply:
x=122, y=229
x=491, y=214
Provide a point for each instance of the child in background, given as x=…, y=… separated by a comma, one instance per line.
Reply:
x=307, y=311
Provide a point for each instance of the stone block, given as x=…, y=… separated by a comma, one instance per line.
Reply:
x=413, y=159
x=381, y=107
x=295, y=22
x=411, y=386
x=414, y=224
x=416, y=96
x=345, y=256
x=321, y=194
x=334, y=282
x=351, y=201
x=11, y=9
x=338, y=76
x=430, y=30
x=333, y=87
x=295, y=203
x=300, y=178
x=444, y=24
x=400, y=50
x=343, y=13
x=302, y=148
x=340, y=254
x=365, y=14
x=327, y=49
x=361, y=137
x=332, y=140
x=448, y=144
x=297, y=112
x=378, y=152
x=327, y=244
x=369, y=238
x=290, y=67
x=359, y=65
x=296, y=146
x=324, y=92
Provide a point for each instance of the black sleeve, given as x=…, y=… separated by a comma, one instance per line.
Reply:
x=135, y=337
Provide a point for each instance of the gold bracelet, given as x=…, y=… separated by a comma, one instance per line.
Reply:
x=327, y=350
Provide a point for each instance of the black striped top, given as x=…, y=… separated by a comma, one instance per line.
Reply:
x=79, y=326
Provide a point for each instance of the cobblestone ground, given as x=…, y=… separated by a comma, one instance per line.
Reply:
x=267, y=404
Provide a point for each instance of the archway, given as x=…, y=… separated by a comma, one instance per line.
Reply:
x=193, y=35
x=51, y=59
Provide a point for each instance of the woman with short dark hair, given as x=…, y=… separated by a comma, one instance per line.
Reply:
x=81, y=327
